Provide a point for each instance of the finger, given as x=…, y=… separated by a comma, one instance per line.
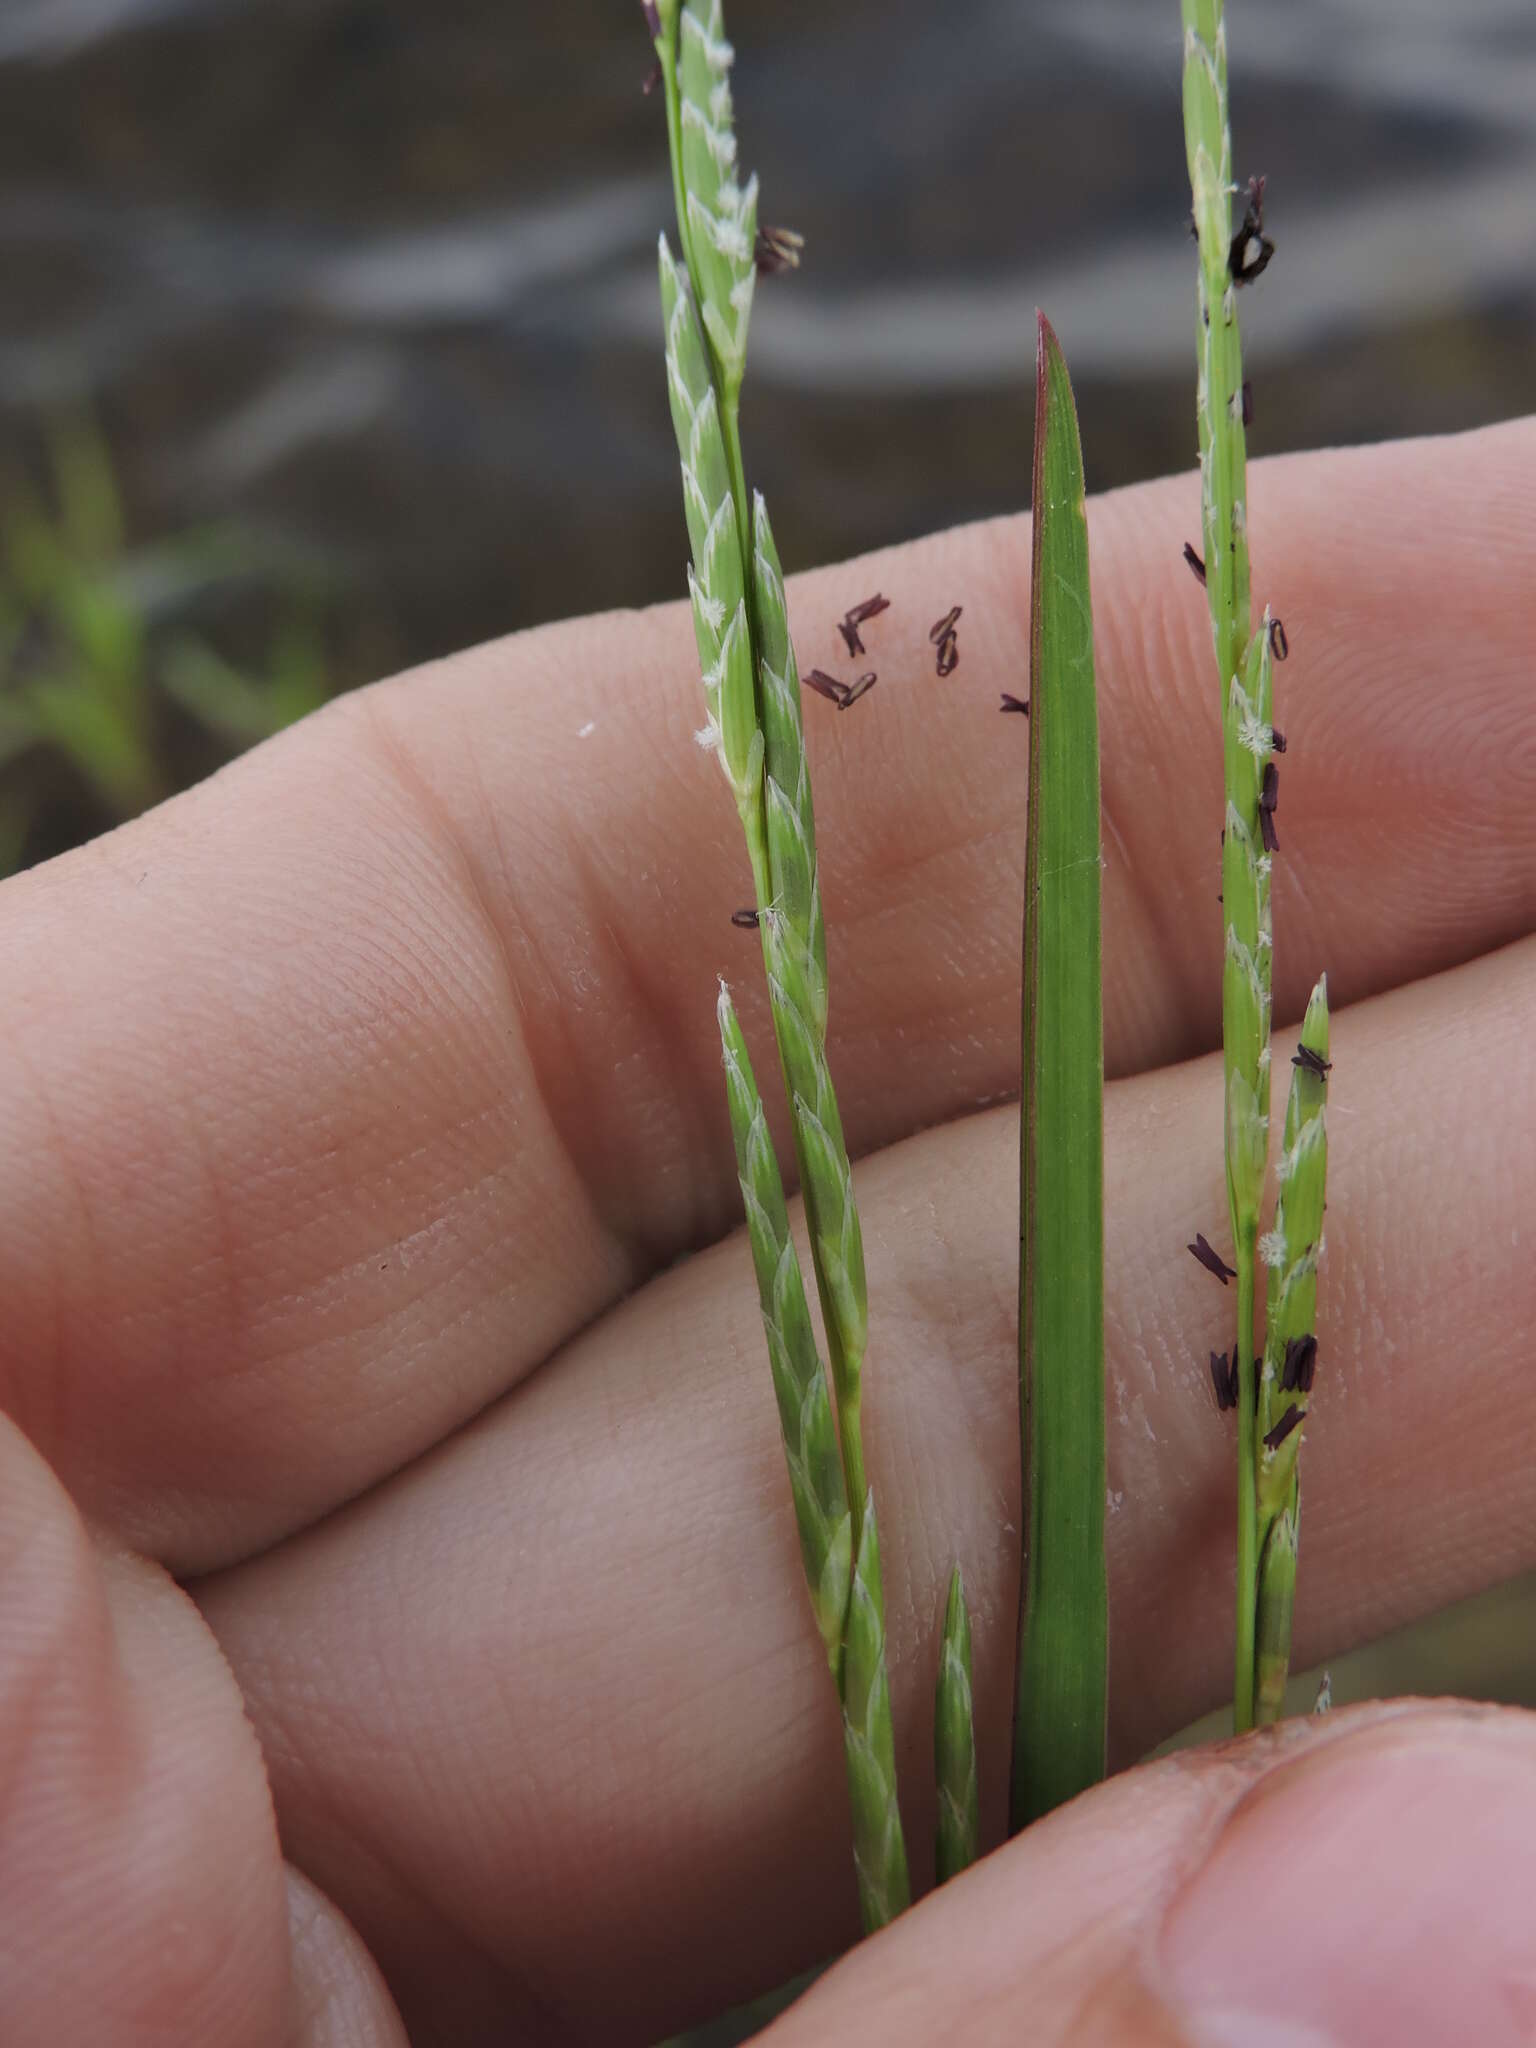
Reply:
x=337, y=1997
x=584, y=1618
x=343, y=1089
x=140, y=1893
x=1357, y=1880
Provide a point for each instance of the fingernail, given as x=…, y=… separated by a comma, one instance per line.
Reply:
x=1376, y=1889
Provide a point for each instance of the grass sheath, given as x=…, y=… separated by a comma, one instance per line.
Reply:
x=1060, y=1696
x=1245, y=676
x=954, y=1742
x=753, y=725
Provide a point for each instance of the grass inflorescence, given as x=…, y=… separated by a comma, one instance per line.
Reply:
x=754, y=727
x=752, y=698
x=1228, y=260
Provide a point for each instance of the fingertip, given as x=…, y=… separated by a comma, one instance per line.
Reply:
x=1326, y=1884
x=337, y=1996
x=138, y=1858
x=1374, y=1888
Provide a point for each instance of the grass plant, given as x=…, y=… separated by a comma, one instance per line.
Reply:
x=1245, y=659
x=92, y=677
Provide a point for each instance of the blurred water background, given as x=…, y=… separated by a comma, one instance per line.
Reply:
x=358, y=300
x=329, y=337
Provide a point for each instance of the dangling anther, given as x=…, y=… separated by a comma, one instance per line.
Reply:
x=1224, y=1380
x=1269, y=796
x=848, y=625
x=777, y=250
x=1296, y=1375
x=1211, y=1259
x=1251, y=248
x=1291, y=1419
x=826, y=686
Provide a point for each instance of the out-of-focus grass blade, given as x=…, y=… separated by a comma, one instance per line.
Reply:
x=1059, y=1701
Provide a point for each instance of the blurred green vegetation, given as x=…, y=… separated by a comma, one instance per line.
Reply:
x=109, y=698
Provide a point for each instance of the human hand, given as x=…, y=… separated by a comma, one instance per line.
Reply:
x=358, y=1108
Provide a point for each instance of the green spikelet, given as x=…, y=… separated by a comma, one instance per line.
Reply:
x=716, y=580
x=1277, y=1593
x=954, y=1742
x=799, y=1384
x=1291, y=1251
x=879, y=1852
x=791, y=817
x=722, y=215
x=837, y=1238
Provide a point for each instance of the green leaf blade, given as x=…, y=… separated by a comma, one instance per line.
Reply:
x=1060, y=1698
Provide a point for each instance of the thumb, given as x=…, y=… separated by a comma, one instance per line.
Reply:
x=1335, y=1883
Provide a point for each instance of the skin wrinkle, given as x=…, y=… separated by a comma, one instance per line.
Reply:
x=563, y=1089
x=1163, y=634
x=232, y=1363
x=424, y=799
x=1156, y=940
x=324, y=1839
x=225, y=1238
x=560, y=1105
x=681, y=1117
x=43, y=1398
